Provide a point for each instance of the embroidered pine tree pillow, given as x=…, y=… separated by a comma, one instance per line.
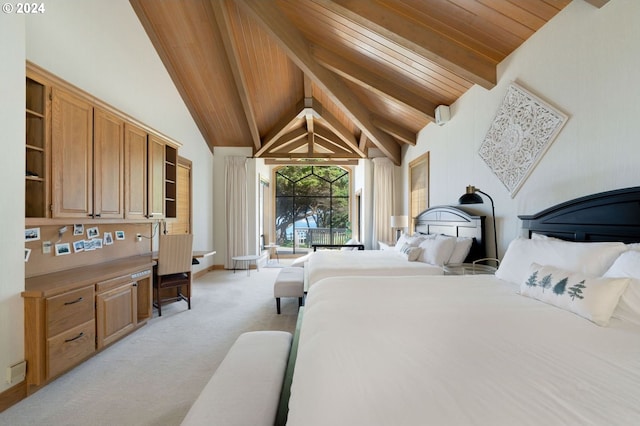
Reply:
x=592, y=298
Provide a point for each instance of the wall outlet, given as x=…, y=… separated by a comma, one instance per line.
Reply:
x=138, y=237
x=17, y=372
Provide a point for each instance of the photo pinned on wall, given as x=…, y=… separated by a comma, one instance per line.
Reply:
x=119, y=235
x=46, y=247
x=93, y=232
x=78, y=229
x=78, y=246
x=27, y=253
x=32, y=234
x=62, y=249
x=108, y=239
x=97, y=243
x=88, y=245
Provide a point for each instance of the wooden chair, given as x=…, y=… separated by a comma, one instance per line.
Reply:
x=173, y=269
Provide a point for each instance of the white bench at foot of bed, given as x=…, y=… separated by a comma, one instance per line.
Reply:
x=245, y=389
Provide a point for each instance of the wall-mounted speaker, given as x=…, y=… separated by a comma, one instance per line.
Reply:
x=442, y=114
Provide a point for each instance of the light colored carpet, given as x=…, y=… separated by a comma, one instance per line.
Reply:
x=152, y=376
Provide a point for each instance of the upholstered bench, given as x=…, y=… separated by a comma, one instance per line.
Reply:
x=289, y=283
x=245, y=389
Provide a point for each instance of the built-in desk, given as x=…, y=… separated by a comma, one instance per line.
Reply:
x=198, y=254
x=72, y=314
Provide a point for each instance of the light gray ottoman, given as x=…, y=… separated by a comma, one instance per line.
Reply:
x=245, y=389
x=289, y=283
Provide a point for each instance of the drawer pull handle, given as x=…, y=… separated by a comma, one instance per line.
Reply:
x=79, y=299
x=75, y=338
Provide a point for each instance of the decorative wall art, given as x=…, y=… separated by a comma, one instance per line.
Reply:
x=523, y=129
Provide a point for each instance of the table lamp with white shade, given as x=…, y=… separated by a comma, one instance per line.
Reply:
x=399, y=223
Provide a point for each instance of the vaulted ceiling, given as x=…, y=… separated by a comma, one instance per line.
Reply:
x=331, y=80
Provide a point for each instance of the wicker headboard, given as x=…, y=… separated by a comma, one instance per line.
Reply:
x=606, y=216
x=452, y=221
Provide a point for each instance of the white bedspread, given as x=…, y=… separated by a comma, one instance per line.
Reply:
x=459, y=351
x=336, y=263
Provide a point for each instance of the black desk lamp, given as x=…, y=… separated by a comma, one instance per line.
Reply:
x=470, y=197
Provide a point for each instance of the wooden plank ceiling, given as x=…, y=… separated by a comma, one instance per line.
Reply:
x=331, y=80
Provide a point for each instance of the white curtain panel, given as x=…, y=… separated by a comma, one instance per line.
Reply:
x=236, y=209
x=383, y=201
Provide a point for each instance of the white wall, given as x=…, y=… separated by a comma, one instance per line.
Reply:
x=12, y=160
x=112, y=58
x=585, y=62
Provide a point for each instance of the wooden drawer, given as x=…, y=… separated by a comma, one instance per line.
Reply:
x=70, y=348
x=69, y=310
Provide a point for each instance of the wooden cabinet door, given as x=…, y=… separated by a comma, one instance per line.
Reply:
x=135, y=163
x=71, y=156
x=116, y=313
x=156, y=187
x=108, y=165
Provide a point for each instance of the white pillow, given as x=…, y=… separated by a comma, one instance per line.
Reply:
x=351, y=241
x=634, y=246
x=592, y=298
x=536, y=236
x=587, y=258
x=300, y=261
x=413, y=240
x=461, y=250
x=628, y=265
x=410, y=253
x=437, y=251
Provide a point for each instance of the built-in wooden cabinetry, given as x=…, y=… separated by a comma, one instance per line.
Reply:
x=108, y=165
x=156, y=177
x=37, y=147
x=69, y=315
x=88, y=163
x=135, y=172
x=170, y=181
x=69, y=330
x=87, y=160
x=71, y=156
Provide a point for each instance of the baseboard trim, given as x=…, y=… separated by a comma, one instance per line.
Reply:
x=204, y=271
x=218, y=268
x=13, y=395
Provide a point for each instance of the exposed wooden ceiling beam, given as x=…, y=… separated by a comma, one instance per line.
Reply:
x=430, y=44
x=331, y=138
x=363, y=142
x=295, y=45
x=290, y=141
x=309, y=162
x=281, y=127
x=224, y=24
x=338, y=128
x=363, y=77
x=395, y=130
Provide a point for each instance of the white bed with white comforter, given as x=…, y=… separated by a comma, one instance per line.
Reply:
x=465, y=350
x=335, y=263
x=553, y=338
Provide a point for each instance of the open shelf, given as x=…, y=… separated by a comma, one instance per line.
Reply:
x=35, y=145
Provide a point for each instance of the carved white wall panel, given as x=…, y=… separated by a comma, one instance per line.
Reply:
x=523, y=129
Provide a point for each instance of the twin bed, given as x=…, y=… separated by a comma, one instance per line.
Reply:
x=456, y=226
x=514, y=348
